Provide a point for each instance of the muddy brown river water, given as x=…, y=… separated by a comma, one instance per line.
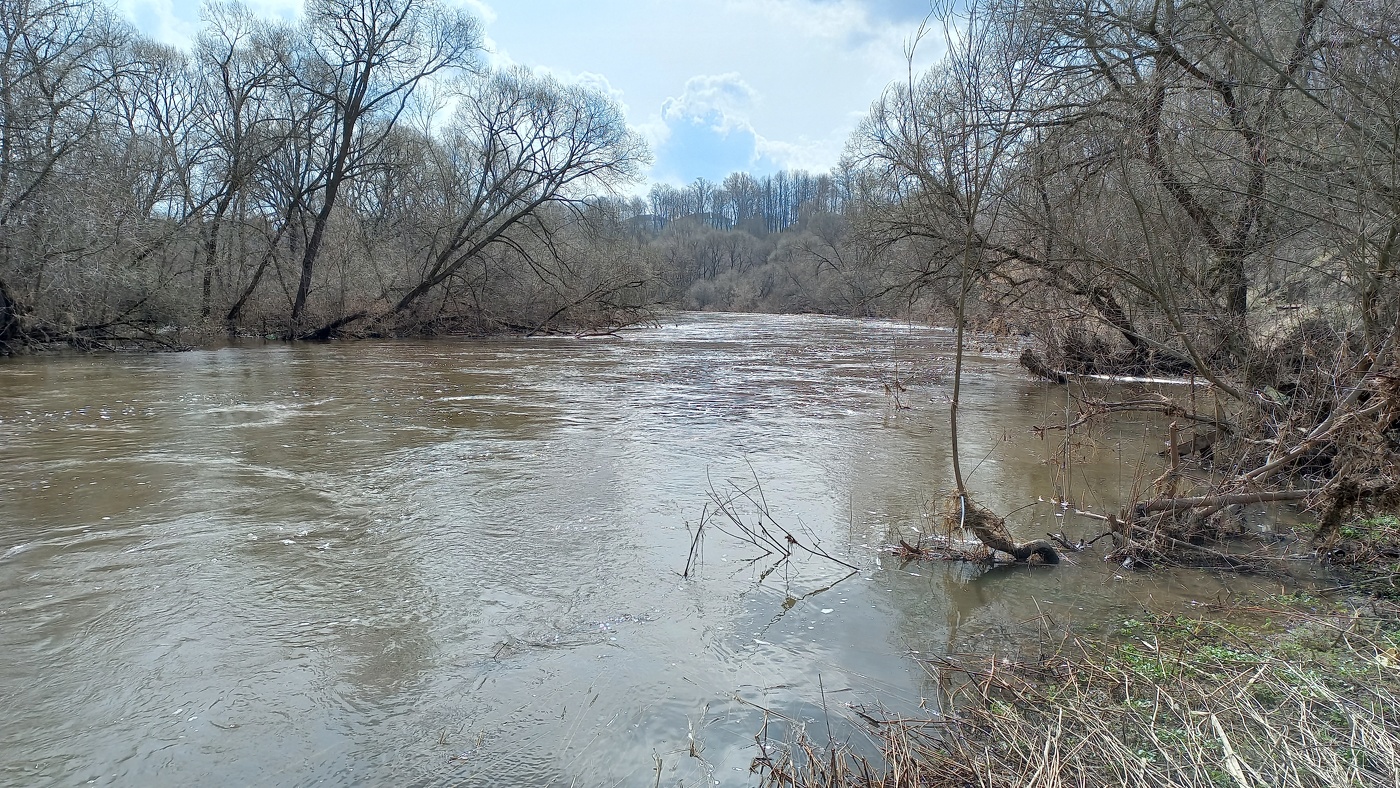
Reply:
x=457, y=562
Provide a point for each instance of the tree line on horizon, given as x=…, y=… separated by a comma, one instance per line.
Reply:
x=1146, y=183
x=359, y=172
x=780, y=242
x=362, y=173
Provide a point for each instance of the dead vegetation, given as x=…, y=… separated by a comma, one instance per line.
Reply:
x=1315, y=421
x=741, y=512
x=1168, y=703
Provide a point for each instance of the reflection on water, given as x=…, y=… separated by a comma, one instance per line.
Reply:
x=457, y=562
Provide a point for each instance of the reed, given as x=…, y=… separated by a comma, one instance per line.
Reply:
x=1098, y=713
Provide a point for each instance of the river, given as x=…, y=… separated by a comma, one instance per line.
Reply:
x=458, y=562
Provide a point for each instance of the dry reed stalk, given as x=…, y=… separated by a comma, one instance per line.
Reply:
x=1092, y=717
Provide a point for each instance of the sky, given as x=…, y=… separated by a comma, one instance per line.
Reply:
x=714, y=86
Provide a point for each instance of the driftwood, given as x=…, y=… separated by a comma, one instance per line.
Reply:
x=991, y=531
x=1066, y=545
x=1218, y=501
x=1200, y=443
x=1131, y=548
x=1096, y=408
x=1336, y=433
x=1037, y=367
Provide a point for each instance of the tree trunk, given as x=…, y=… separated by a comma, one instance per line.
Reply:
x=308, y=262
x=235, y=312
x=211, y=253
x=1374, y=305
x=1173, y=504
x=11, y=323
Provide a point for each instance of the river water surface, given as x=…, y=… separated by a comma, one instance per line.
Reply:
x=458, y=562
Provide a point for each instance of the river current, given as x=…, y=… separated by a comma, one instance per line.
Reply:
x=459, y=562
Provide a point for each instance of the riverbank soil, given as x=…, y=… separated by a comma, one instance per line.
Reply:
x=1290, y=690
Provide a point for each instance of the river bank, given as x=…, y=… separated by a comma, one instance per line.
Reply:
x=1287, y=690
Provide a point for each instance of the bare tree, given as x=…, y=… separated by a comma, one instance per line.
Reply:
x=1210, y=184
x=238, y=57
x=517, y=143
x=365, y=59
x=58, y=62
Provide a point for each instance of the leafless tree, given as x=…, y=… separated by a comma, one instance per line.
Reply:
x=58, y=63
x=365, y=59
x=517, y=143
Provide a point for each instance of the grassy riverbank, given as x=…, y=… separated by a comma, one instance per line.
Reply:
x=1286, y=691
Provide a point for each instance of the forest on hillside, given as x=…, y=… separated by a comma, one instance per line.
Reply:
x=1145, y=184
x=358, y=173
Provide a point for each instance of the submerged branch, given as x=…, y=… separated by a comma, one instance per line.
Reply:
x=1215, y=501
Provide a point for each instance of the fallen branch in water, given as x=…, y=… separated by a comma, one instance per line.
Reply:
x=991, y=531
x=1036, y=366
x=694, y=554
x=764, y=532
x=1217, y=501
x=1094, y=408
x=942, y=549
x=1155, y=536
x=1065, y=543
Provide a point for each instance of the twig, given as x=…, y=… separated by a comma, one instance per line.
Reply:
x=695, y=543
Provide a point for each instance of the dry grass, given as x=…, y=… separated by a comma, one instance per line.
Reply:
x=1370, y=549
x=1130, y=714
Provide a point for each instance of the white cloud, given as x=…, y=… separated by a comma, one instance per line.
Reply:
x=792, y=77
x=276, y=9
x=705, y=131
x=586, y=79
x=808, y=19
x=160, y=20
x=479, y=9
x=803, y=154
x=596, y=82
x=178, y=22
x=655, y=131
x=722, y=100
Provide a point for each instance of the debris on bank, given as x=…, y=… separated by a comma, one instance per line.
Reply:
x=1168, y=702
